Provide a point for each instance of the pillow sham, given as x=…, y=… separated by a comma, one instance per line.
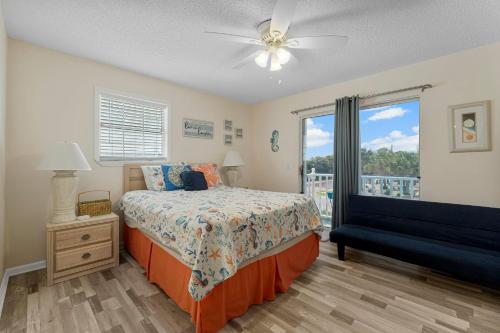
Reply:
x=210, y=171
x=172, y=175
x=194, y=181
x=153, y=177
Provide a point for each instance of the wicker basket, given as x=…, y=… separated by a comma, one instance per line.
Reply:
x=94, y=207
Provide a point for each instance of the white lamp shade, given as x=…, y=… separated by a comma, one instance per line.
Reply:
x=64, y=156
x=233, y=159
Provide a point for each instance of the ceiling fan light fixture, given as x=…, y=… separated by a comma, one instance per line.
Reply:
x=275, y=63
x=283, y=55
x=277, y=45
x=262, y=59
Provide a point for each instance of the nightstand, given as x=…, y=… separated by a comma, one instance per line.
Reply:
x=81, y=247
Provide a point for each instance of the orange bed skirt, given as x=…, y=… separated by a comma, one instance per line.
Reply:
x=253, y=284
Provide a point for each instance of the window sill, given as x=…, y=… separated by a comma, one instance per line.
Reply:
x=122, y=163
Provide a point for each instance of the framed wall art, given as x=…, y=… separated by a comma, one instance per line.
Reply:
x=470, y=127
x=197, y=128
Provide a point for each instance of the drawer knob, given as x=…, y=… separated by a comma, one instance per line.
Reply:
x=85, y=237
x=86, y=255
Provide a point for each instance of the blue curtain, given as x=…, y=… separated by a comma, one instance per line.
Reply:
x=346, y=161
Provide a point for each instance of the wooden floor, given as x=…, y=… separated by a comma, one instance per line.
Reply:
x=366, y=293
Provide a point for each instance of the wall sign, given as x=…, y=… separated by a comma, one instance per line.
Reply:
x=198, y=128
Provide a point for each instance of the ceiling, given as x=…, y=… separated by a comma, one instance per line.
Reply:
x=165, y=39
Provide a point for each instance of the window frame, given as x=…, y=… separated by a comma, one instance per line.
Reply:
x=390, y=102
x=166, y=145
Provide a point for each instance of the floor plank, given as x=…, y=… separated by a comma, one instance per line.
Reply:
x=366, y=293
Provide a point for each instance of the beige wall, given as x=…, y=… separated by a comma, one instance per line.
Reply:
x=51, y=97
x=470, y=178
x=3, y=59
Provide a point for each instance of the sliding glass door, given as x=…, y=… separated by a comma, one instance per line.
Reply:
x=317, y=162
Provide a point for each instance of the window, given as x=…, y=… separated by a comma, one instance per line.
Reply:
x=130, y=129
x=390, y=164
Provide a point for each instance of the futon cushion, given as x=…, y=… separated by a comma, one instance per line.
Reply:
x=465, y=225
x=467, y=262
x=484, y=218
x=194, y=181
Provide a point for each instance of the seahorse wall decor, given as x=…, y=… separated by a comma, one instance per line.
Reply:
x=274, y=141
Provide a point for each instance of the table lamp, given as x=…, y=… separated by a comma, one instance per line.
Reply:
x=232, y=161
x=64, y=158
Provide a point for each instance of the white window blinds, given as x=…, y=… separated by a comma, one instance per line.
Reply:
x=130, y=129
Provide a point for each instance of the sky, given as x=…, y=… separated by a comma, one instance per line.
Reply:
x=395, y=126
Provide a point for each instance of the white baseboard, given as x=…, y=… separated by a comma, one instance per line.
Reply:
x=34, y=266
x=3, y=289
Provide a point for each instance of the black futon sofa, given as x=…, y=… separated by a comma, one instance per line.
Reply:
x=462, y=241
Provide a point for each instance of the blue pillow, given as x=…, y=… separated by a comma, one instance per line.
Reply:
x=194, y=181
x=172, y=175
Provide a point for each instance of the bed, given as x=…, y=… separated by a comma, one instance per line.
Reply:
x=217, y=252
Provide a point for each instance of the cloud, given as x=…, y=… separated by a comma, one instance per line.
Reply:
x=415, y=129
x=396, y=135
x=316, y=137
x=396, y=140
x=388, y=114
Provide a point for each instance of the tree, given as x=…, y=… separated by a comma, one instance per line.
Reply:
x=322, y=164
x=382, y=162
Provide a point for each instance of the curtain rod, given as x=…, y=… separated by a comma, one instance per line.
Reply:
x=421, y=87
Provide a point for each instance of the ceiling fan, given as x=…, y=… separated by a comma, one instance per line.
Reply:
x=275, y=42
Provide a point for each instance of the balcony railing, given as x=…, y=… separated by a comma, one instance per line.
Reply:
x=400, y=187
x=320, y=187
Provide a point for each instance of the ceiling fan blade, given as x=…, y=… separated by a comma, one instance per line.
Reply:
x=293, y=62
x=247, y=60
x=282, y=16
x=222, y=36
x=317, y=42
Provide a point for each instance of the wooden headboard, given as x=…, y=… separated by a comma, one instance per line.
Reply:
x=133, y=178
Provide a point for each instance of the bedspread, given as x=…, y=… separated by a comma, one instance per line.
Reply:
x=217, y=230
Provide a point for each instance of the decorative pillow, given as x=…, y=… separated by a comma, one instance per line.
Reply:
x=172, y=175
x=194, y=181
x=153, y=177
x=210, y=171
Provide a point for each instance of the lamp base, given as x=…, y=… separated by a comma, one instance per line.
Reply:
x=64, y=187
x=232, y=176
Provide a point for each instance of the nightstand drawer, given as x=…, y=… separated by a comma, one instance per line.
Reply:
x=81, y=236
x=83, y=256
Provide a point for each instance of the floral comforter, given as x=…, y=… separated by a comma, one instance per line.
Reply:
x=217, y=230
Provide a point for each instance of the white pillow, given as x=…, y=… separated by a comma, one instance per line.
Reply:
x=153, y=177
